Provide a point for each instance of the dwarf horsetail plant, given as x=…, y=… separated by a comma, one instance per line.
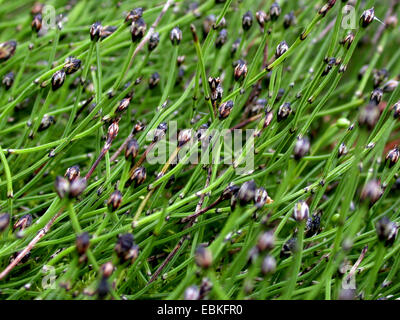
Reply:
x=199, y=149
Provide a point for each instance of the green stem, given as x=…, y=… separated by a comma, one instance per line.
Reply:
x=296, y=265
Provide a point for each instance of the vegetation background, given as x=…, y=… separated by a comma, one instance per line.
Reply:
x=84, y=215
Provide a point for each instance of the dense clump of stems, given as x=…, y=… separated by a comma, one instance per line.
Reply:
x=317, y=210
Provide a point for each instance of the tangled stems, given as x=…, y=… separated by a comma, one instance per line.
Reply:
x=185, y=205
x=278, y=61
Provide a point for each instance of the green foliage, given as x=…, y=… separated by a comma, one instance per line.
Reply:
x=319, y=219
